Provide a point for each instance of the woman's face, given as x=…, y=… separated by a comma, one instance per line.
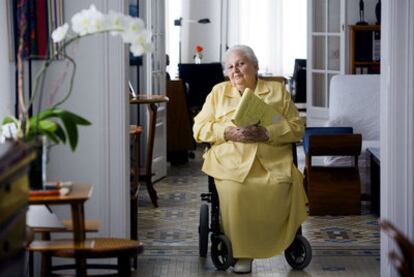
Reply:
x=241, y=71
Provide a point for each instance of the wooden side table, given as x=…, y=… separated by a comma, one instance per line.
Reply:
x=78, y=195
x=146, y=175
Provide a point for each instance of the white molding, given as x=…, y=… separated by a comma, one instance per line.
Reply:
x=114, y=135
x=118, y=123
x=397, y=127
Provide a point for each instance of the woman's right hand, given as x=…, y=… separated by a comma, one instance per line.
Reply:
x=248, y=134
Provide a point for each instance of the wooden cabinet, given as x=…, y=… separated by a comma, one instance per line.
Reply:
x=364, y=49
x=14, y=191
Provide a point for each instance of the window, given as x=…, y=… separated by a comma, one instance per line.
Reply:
x=275, y=29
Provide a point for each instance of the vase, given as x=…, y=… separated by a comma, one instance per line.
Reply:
x=37, y=172
x=197, y=59
x=378, y=12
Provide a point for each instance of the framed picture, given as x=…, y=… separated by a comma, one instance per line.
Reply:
x=10, y=32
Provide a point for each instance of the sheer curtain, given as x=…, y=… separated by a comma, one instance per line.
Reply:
x=275, y=29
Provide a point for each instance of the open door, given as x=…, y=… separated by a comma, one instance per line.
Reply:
x=326, y=54
x=154, y=80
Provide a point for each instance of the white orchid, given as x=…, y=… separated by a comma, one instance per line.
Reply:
x=135, y=27
x=60, y=33
x=131, y=29
x=57, y=124
x=8, y=131
x=117, y=22
x=88, y=21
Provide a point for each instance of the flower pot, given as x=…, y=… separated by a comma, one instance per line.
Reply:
x=37, y=172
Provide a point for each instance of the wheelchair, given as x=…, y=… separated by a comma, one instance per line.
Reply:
x=298, y=254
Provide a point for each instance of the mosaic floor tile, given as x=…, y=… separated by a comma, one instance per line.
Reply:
x=341, y=245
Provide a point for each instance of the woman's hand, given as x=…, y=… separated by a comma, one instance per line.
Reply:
x=248, y=134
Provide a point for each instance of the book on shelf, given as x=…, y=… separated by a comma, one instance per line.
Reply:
x=53, y=188
x=253, y=110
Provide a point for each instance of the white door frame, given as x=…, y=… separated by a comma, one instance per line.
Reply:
x=397, y=122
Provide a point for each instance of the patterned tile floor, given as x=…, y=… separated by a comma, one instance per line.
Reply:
x=342, y=246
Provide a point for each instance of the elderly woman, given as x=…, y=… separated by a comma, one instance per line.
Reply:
x=262, y=200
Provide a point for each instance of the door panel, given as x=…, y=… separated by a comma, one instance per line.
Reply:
x=326, y=57
x=154, y=81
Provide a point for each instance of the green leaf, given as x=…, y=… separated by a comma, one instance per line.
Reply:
x=78, y=119
x=60, y=133
x=71, y=130
x=9, y=119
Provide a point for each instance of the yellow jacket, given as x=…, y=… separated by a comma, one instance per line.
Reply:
x=233, y=160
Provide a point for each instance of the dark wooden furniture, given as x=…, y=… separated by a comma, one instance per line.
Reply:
x=135, y=134
x=364, y=49
x=146, y=173
x=404, y=260
x=14, y=187
x=200, y=79
x=279, y=79
x=375, y=184
x=179, y=129
x=79, y=247
x=333, y=190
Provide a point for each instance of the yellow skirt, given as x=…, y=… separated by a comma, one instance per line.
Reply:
x=261, y=215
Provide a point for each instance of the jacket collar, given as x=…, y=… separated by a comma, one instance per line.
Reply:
x=261, y=88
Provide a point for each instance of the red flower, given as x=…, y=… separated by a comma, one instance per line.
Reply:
x=199, y=48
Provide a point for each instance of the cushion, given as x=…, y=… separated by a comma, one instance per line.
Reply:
x=354, y=101
x=309, y=131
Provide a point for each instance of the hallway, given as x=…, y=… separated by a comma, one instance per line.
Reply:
x=342, y=245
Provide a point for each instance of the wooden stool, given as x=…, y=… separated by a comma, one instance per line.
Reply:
x=96, y=248
x=45, y=234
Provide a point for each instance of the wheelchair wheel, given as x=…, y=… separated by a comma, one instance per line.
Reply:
x=221, y=252
x=203, y=231
x=299, y=253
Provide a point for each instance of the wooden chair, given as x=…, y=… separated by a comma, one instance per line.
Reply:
x=279, y=79
x=403, y=262
x=333, y=190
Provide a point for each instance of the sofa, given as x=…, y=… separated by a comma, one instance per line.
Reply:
x=355, y=102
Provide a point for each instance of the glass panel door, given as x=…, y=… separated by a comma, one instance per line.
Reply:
x=326, y=53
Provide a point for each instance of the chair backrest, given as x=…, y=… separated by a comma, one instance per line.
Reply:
x=299, y=77
x=200, y=79
x=279, y=79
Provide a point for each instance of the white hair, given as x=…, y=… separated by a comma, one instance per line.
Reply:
x=246, y=50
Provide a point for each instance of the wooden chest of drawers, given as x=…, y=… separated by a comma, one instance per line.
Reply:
x=15, y=159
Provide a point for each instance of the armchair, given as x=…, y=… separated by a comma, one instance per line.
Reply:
x=332, y=190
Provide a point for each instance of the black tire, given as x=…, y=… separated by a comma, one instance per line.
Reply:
x=221, y=252
x=203, y=229
x=299, y=253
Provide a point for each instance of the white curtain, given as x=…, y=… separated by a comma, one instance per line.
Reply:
x=275, y=29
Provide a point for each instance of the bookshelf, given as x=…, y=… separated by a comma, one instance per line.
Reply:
x=364, y=49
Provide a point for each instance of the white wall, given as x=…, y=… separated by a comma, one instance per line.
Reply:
x=100, y=95
x=206, y=35
x=6, y=80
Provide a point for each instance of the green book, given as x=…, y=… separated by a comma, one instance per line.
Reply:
x=252, y=110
